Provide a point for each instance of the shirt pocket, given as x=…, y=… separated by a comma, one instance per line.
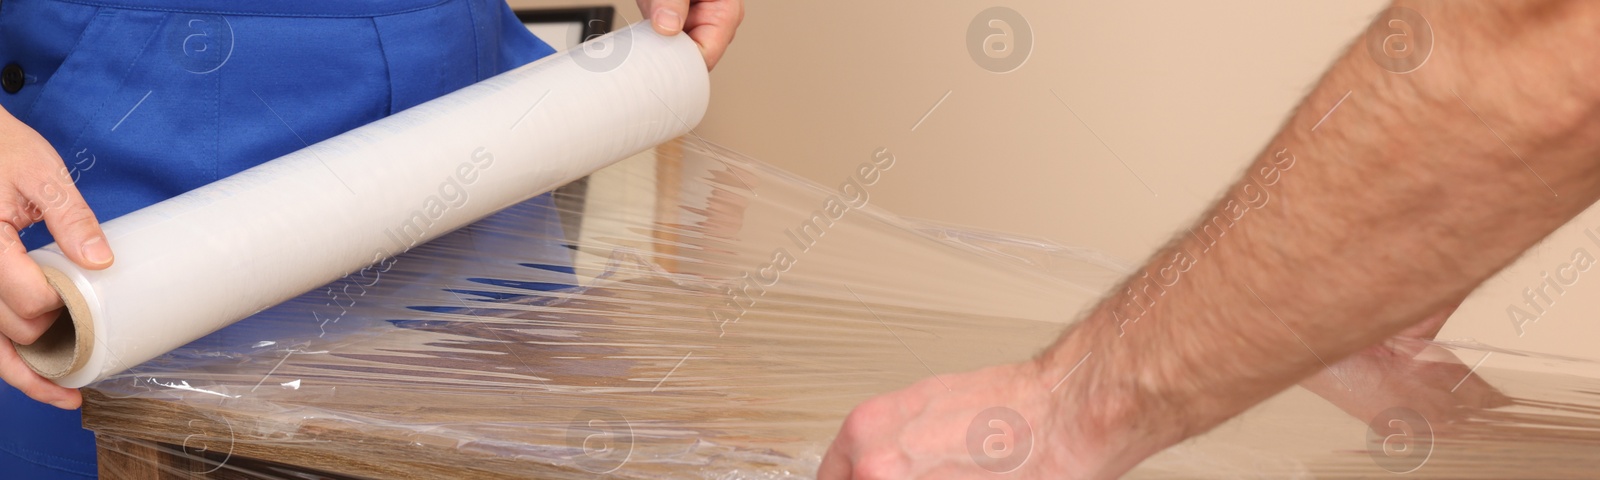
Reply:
x=76, y=59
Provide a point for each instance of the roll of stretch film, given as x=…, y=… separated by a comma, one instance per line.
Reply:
x=201, y=261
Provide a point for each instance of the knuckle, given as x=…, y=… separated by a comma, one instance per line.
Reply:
x=879, y=465
x=22, y=333
x=21, y=328
x=863, y=413
x=39, y=389
x=864, y=420
x=50, y=184
x=31, y=306
x=52, y=196
x=17, y=210
x=10, y=235
x=14, y=215
x=76, y=217
x=723, y=16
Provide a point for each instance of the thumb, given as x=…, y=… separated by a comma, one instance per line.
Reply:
x=666, y=15
x=71, y=221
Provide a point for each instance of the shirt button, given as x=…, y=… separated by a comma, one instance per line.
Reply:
x=11, y=78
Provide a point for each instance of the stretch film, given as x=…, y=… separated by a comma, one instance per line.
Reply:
x=198, y=262
x=721, y=322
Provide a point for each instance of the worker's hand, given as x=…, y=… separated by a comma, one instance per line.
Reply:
x=1434, y=177
x=1006, y=416
x=34, y=186
x=1406, y=371
x=710, y=23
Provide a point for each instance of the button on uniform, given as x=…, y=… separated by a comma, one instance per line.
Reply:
x=11, y=78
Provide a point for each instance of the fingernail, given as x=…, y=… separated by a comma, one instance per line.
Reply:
x=96, y=251
x=668, y=20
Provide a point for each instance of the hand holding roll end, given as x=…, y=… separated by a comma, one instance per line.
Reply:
x=35, y=186
x=711, y=23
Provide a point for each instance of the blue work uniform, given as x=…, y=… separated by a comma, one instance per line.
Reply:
x=147, y=99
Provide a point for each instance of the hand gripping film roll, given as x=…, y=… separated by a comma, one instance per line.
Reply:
x=195, y=263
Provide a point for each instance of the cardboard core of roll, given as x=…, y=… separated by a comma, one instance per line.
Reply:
x=65, y=346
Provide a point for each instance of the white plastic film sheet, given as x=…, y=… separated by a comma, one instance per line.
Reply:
x=672, y=348
x=198, y=262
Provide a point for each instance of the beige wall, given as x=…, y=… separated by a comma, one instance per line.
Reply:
x=1181, y=93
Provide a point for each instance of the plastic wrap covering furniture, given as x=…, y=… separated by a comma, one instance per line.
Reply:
x=708, y=316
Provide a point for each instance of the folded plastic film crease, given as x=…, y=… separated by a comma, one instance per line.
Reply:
x=198, y=262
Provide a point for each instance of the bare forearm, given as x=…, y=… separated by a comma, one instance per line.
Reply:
x=1392, y=208
x=1395, y=205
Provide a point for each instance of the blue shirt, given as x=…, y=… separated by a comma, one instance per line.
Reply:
x=147, y=99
